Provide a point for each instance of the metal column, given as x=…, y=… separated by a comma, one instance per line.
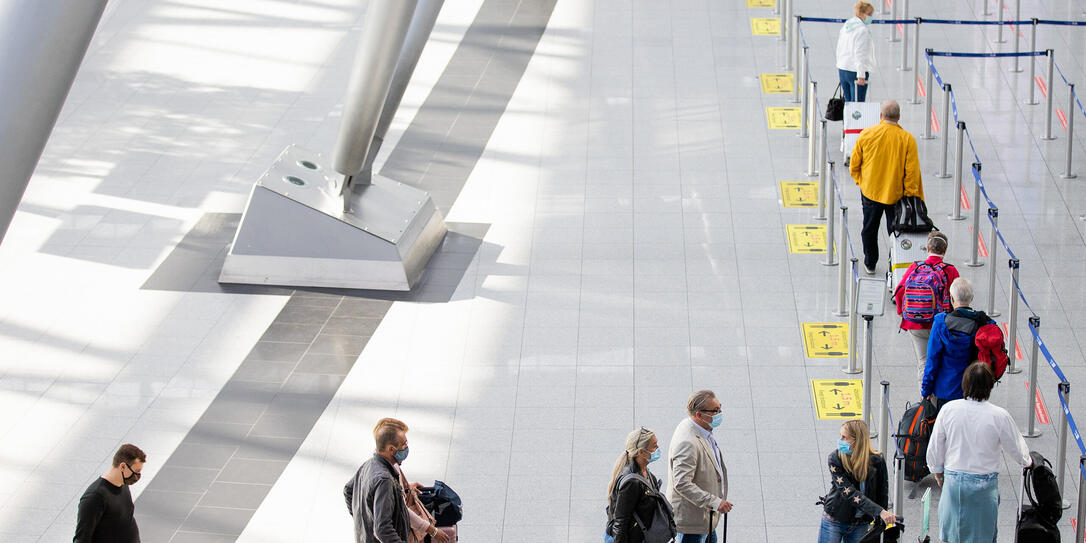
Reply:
x=1080, y=525
x=1064, y=390
x=884, y=418
x=957, y=214
x=799, y=78
x=1012, y=318
x=973, y=261
x=1000, y=38
x=1031, y=427
x=869, y=353
x=943, y=173
x=1067, y=174
x=842, y=272
x=1033, y=64
x=43, y=44
x=812, y=160
x=1051, y=92
x=853, y=325
x=893, y=27
x=824, y=196
x=916, y=61
x=905, y=38
x=929, y=112
x=828, y=167
x=1017, y=33
x=993, y=250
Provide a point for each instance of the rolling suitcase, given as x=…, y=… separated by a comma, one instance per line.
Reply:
x=905, y=249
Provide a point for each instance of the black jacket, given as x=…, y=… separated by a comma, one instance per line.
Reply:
x=845, y=498
x=633, y=496
x=375, y=499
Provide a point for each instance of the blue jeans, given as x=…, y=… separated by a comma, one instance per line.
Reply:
x=969, y=507
x=696, y=538
x=848, y=79
x=836, y=532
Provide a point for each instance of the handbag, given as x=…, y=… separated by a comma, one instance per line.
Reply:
x=911, y=215
x=443, y=503
x=835, y=108
x=878, y=532
x=662, y=528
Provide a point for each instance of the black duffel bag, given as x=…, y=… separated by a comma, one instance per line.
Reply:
x=443, y=503
x=835, y=108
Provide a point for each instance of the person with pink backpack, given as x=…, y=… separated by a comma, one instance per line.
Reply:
x=924, y=291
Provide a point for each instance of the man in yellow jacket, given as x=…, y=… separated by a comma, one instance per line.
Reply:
x=886, y=167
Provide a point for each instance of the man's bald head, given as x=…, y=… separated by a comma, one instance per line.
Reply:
x=891, y=111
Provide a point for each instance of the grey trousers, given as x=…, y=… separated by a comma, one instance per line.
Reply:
x=920, y=347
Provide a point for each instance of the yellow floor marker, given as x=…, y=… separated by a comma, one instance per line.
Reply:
x=806, y=238
x=799, y=193
x=776, y=83
x=761, y=3
x=825, y=339
x=782, y=117
x=835, y=399
x=765, y=26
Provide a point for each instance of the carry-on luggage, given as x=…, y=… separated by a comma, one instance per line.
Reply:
x=857, y=117
x=913, y=433
x=445, y=505
x=879, y=532
x=1037, y=522
x=905, y=249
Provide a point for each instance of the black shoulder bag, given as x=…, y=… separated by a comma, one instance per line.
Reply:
x=835, y=109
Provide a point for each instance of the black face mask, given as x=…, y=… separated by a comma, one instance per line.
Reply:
x=131, y=479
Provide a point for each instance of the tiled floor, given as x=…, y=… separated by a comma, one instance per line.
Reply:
x=614, y=179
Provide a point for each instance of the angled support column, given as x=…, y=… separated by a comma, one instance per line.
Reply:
x=42, y=45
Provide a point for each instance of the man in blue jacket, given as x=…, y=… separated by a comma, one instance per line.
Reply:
x=950, y=347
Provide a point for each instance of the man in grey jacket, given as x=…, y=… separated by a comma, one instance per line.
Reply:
x=697, y=476
x=374, y=496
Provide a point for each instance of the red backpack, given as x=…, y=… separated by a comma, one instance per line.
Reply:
x=989, y=345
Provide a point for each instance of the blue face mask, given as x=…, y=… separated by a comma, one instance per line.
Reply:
x=867, y=20
x=654, y=456
x=401, y=455
x=844, y=447
x=717, y=419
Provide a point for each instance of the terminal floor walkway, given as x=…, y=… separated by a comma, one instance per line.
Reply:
x=618, y=241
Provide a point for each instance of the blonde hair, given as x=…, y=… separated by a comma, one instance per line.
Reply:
x=860, y=459
x=387, y=432
x=637, y=441
x=863, y=8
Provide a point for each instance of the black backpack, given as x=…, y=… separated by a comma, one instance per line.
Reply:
x=1037, y=521
x=443, y=503
x=913, y=433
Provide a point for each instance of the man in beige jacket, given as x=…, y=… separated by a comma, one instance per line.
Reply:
x=697, y=477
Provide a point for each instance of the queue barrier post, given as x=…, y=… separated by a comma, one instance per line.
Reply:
x=853, y=326
x=805, y=102
x=1012, y=318
x=899, y=484
x=824, y=197
x=842, y=272
x=975, y=257
x=904, y=37
x=1033, y=65
x=986, y=10
x=958, y=158
x=884, y=417
x=830, y=260
x=1017, y=33
x=1080, y=529
x=784, y=21
x=799, y=76
x=789, y=46
x=1064, y=390
x=1050, y=95
x=893, y=28
x=869, y=354
x=812, y=143
x=943, y=173
x=1067, y=173
x=929, y=112
x=916, y=60
x=993, y=250
x=1000, y=39
x=1031, y=426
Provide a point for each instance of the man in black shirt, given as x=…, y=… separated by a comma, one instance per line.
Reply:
x=106, y=509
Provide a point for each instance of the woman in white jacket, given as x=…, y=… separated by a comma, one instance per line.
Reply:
x=856, y=52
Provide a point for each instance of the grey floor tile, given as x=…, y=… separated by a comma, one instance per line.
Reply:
x=255, y=472
x=235, y=495
x=180, y=479
x=164, y=505
x=217, y=520
x=338, y=345
x=201, y=455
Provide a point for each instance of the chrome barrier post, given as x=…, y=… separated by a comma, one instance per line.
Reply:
x=842, y=272
x=899, y=484
x=929, y=112
x=882, y=6
x=853, y=326
x=824, y=197
x=789, y=45
x=1033, y=65
x=986, y=10
x=1064, y=390
x=993, y=250
x=974, y=260
x=904, y=37
x=812, y=143
x=1012, y=318
x=916, y=61
x=1080, y=529
x=776, y=7
x=957, y=215
x=884, y=418
x=828, y=166
x=799, y=79
x=943, y=174
x=1067, y=174
x=805, y=102
x=1017, y=33
x=893, y=27
x=1000, y=38
x=1031, y=428
x=783, y=21
x=1051, y=90
x=869, y=353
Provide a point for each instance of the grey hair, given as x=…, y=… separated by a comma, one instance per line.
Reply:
x=961, y=291
x=698, y=400
x=891, y=111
